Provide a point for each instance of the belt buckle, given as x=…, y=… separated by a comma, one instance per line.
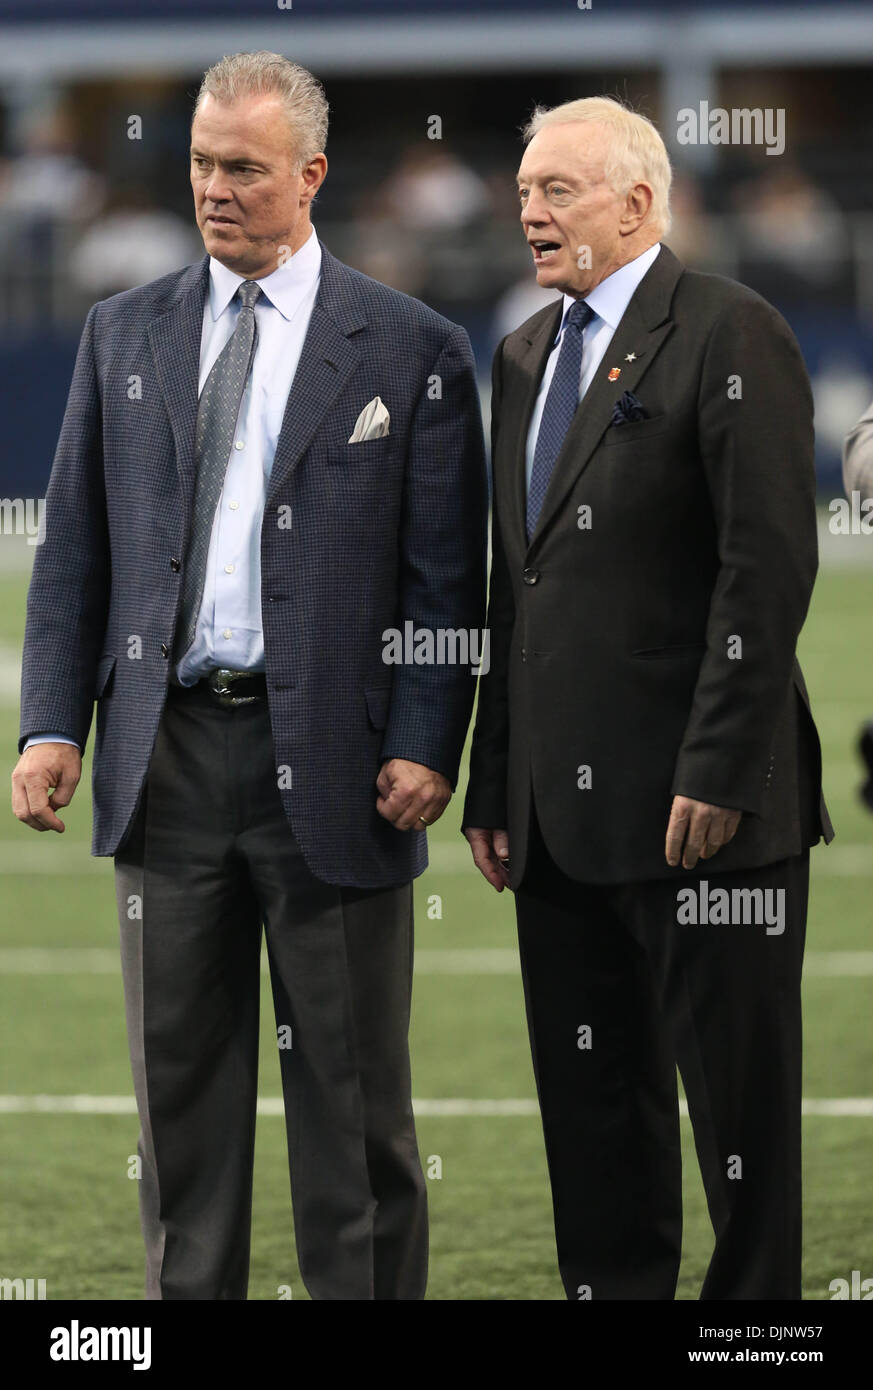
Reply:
x=221, y=682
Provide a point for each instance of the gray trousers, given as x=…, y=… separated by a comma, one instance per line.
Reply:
x=209, y=860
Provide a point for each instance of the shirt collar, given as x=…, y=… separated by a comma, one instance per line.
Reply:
x=611, y=297
x=285, y=287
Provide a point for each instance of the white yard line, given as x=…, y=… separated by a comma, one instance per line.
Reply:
x=838, y=1108
x=43, y=854
x=104, y=960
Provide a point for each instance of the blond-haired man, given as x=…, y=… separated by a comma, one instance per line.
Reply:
x=645, y=771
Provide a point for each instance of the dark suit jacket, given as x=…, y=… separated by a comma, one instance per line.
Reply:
x=610, y=645
x=382, y=532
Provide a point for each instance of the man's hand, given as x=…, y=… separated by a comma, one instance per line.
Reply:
x=490, y=854
x=410, y=793
x=40, y=767
x=700, y=827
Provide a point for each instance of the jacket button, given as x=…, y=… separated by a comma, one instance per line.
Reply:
x=524, y=654
x=165, y=650
x=175, y=565
x=530, y=576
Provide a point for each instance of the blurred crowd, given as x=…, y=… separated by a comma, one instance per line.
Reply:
x=438, y=223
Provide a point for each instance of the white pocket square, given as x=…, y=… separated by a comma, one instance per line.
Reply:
x=372, y=423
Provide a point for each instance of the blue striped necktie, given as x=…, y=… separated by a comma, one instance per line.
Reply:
x=560, y=407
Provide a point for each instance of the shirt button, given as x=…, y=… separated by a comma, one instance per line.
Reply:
x=227, y=632
x=239, y=444
x=233, y=506
x=165, y=650
x=228, y=569
x=175, y=565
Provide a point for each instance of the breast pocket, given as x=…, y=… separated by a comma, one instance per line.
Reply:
x=636, y=431
x=368, y=451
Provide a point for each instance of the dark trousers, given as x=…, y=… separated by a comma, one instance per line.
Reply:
x=210, y=859
x=722, y=1002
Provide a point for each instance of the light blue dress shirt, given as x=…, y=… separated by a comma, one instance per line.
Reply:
x=608, y=300
x=229, y=631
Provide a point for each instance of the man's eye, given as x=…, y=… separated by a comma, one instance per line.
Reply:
x=559, y=192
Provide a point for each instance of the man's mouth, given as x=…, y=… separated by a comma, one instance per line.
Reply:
x=543, y=250
x=219, y=220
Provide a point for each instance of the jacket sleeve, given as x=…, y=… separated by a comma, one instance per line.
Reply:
x=757, y=448
x=486, y=801
x=442, y=563
x=68, y=598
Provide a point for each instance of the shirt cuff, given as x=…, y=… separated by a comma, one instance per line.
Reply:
x=49, y=738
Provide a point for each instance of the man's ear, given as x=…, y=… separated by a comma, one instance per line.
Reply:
x=638, y=202
x=313, y=175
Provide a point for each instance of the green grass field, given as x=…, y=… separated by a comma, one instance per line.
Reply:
x=68, y=1210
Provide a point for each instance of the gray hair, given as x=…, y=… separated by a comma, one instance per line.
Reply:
x=257, y=74
x=636, y=150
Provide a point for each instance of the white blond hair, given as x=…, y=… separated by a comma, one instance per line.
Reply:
x=636, y=150
x=258, y=74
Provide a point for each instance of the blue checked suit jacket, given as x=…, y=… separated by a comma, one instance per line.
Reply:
x=382, y=532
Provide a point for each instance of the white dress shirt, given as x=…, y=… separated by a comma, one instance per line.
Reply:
x=229, y=631
x=608, y=300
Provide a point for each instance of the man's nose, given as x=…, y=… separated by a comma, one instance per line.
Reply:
x=216, y=190
x=533, y=214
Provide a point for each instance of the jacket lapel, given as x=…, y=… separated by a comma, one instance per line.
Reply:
x=175, y=338
x=535, y=346
x=326, y=362
x=642, y=331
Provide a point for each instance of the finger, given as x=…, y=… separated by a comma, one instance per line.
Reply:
x=676, y=831
x=422, y=812
x=501, y=848
x=488, y=866
x=698, y=831
x=20, y=808
x=732, y=825
x=63, y=792
x=388, y=808
x=21, y=803
x=395, y=805
x=41, y=813
x=722, y=829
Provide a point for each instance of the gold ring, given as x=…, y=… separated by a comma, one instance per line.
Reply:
x=423, y=821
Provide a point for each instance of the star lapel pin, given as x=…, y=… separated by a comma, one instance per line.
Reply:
x=631, y=357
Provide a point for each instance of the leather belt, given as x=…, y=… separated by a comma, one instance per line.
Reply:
x=230, y=688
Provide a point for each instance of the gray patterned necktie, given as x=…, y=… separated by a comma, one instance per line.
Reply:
x=217, y=416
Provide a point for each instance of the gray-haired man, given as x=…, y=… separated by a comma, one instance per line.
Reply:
x=253, y=482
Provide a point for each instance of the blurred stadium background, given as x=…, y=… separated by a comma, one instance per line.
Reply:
x=85, y=211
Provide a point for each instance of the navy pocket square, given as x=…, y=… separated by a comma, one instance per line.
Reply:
x=628, y=409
